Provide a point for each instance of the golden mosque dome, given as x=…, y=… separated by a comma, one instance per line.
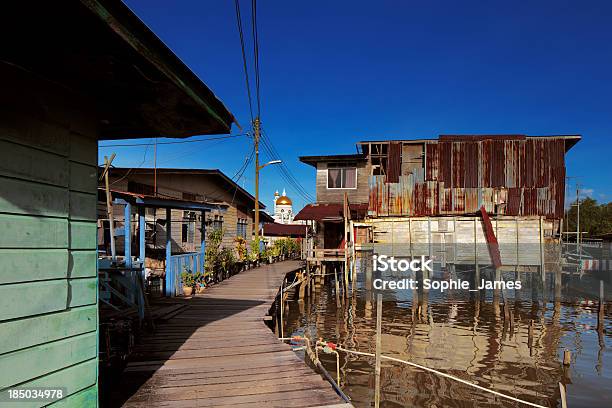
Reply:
x=283, y=200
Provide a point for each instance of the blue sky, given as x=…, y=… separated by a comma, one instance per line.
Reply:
x=336, y=72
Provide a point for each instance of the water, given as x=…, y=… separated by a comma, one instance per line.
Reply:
x=463, y=333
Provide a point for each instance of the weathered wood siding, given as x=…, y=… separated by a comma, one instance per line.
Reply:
x=359, y=195
x=173, y=185
x=48, y=277
x=460, y=240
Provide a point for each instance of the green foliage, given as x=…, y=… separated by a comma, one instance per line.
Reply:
x=213, y=245
x=595, y=219
x=241, y=248
x=285, y=246
x=226, y=259
x=254, y=253
x=189, y=279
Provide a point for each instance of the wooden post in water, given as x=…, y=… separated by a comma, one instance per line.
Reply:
x=602, y=303
x=563, y=395
x=346, y=213
x=542, y=260
x=567, y=357
x=378, y=347
x=530, y=334
x=337, y=283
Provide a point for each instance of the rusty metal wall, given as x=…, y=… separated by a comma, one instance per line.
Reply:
x=513, y=176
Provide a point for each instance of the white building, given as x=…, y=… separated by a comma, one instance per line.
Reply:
x=283, y=208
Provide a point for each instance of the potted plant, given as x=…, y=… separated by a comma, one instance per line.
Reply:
x=275, y=251
x=189, y=283
x=242, y=253
x=254, y=253
x=226, y=261
x=211, y=257
x=200, y=280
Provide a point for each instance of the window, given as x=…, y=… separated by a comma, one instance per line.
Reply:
x=184, y=232
x=217, y=222
x=188, y=227
x=241, y=228
x=342, y=177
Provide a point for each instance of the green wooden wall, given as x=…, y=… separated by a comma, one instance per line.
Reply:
x=48, y=277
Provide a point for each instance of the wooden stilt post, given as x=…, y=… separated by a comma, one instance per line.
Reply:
x=563, y=395
x=378, y=349
x=347, y=216
x=337, y=283
x=602, y=303
x=542, y=261
x=567, y=357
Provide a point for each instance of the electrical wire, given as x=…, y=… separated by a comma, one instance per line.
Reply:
x=244, y=165
x=256, y=53
x=175, y=142
x=284, y=175
x=295, y=182
x=283, y=169
x=144, y=159
x=244, y=61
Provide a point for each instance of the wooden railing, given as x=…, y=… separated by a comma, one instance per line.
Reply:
x=325, y=254
x=192, y=262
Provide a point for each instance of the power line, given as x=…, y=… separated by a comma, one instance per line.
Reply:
x=144, y=159
x=244, y=61
x=175, y=142
x=267, y=143
x=189, y=152
x=243, y=168
x=286, y=175
x=256, y=53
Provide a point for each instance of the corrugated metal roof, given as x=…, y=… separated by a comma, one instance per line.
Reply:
x=330, y=212
x=513, y=175
x=284, y=230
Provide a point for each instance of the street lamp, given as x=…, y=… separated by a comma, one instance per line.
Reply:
x=270, y=162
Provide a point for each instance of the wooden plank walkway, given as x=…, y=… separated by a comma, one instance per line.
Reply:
x=218, y=352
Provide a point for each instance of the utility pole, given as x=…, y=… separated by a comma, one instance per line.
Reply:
x=256, y=135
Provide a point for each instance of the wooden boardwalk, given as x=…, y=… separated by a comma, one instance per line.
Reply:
x=218, y=352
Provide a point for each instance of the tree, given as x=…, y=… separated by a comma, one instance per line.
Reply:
x=595, y=219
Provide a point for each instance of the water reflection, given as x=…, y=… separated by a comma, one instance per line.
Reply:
x=511, y=341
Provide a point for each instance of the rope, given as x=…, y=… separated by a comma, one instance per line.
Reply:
x=452, y=377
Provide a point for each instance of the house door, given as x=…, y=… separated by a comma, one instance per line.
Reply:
x=334, y=234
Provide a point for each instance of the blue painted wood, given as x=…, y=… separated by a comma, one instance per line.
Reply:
x=141, y=235
x=127, y=214
x=169, y=274
x=203, y=243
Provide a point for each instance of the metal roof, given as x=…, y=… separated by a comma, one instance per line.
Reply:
x=200, y=172
x=330, y=212
x=163, y=202
x=284, y=230
x=313, y=160
x=570, y=140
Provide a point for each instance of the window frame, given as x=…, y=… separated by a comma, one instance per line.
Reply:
x=341, y=177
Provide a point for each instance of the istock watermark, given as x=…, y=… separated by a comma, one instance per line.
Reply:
x=384, y=263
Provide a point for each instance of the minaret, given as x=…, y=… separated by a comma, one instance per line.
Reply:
x=276, y=195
